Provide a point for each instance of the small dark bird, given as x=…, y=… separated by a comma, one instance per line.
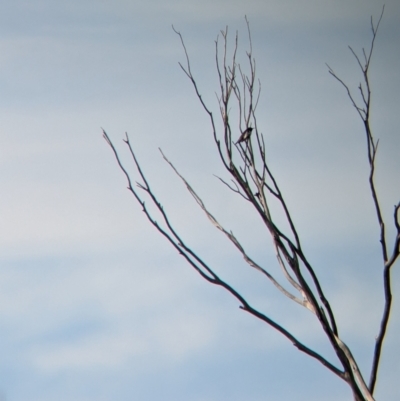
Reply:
x=245, y=135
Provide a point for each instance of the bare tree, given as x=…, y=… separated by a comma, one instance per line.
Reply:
x=244, y=159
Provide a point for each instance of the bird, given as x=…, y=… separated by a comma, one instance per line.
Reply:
x=245, y=135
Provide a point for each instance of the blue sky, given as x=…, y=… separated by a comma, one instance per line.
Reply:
x=94, y=304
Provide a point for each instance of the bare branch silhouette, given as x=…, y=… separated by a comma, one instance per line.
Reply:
x=241, y=148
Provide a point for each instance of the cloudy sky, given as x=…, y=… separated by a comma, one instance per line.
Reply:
x=94, y=304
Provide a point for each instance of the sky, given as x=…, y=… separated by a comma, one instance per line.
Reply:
x=94, y=304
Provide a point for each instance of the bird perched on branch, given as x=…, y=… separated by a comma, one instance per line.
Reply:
x=245, y=135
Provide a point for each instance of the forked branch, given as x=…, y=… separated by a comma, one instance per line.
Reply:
x=364, y=112
x=246, y=164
